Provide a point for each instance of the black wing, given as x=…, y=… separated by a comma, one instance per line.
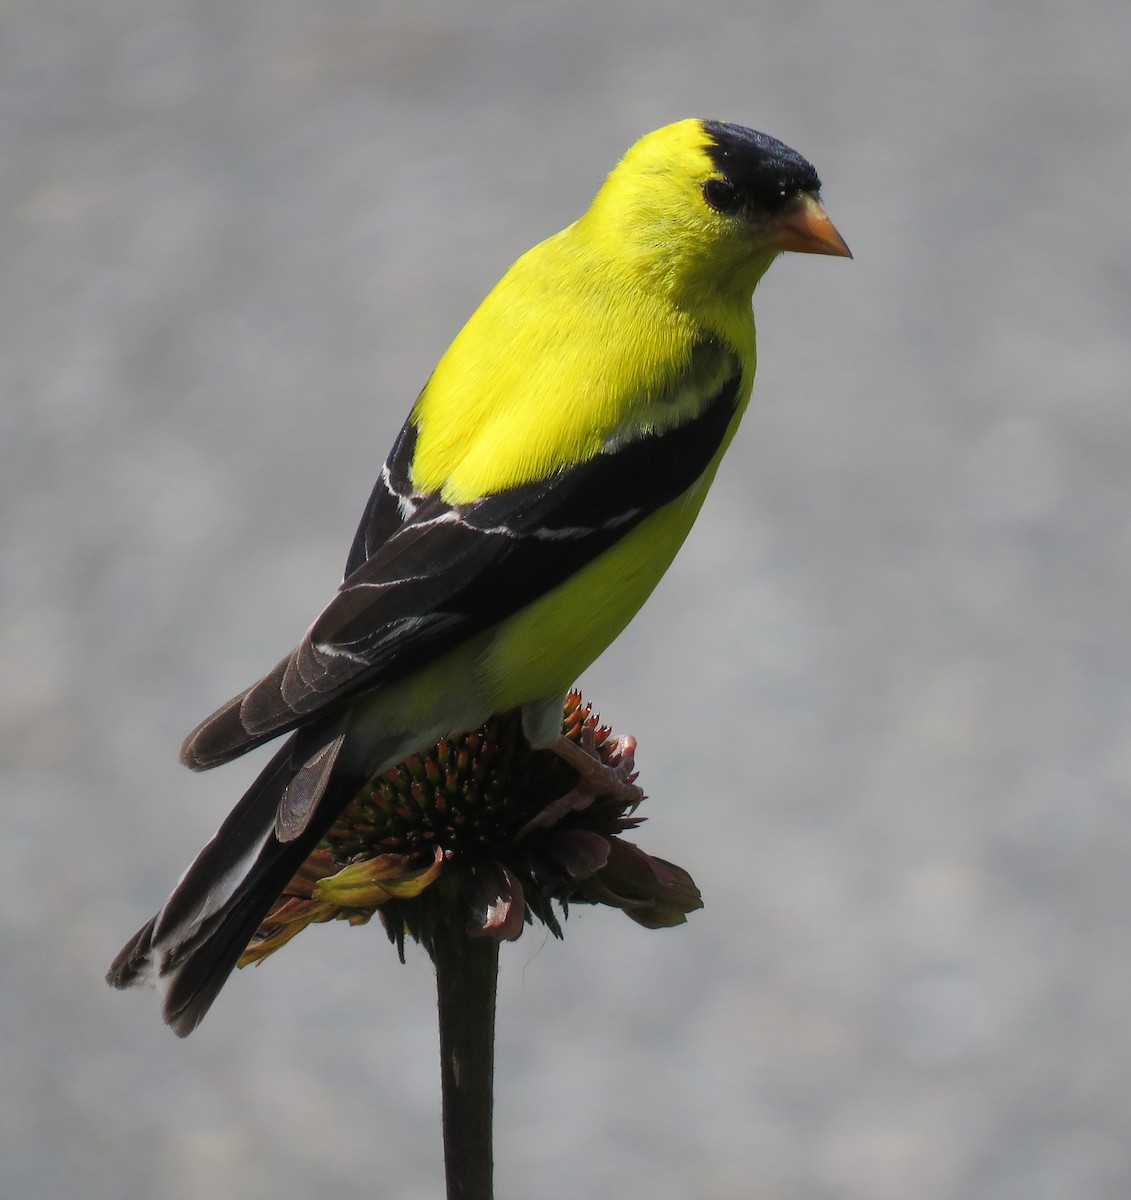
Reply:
x=423, y=575
x=391, y=503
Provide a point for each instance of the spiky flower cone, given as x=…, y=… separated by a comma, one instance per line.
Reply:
x=484, y=834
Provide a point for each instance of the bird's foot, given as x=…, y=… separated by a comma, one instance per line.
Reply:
x=594, y=778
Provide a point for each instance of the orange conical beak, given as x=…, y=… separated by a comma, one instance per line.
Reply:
x=805, y=228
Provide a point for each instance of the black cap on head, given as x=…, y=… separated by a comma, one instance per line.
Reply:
x=765, y=172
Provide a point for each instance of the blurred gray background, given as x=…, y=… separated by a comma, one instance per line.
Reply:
x=882, y=699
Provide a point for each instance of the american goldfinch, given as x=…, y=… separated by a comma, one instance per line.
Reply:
x=552, y=465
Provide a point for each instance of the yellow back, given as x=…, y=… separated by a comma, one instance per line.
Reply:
x=589, y=330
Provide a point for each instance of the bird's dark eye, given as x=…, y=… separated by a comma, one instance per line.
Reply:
x=722, y=196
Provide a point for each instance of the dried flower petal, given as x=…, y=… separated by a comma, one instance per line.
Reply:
x=652, y=891
x=580, y=852
x=498, y=906
x=373, y=881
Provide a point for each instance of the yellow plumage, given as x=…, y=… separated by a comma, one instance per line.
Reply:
x=548, y=473
x=587, y=329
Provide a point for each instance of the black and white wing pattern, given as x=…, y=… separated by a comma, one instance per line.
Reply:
x=424, y=575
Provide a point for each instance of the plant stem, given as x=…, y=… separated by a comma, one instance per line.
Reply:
x=467, y=971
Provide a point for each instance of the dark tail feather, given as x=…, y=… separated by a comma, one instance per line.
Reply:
x=131, y=967
x=191, y=946
x=254, y=717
